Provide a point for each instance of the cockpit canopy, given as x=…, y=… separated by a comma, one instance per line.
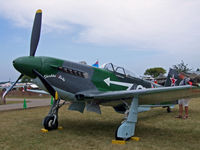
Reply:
x=121, y=70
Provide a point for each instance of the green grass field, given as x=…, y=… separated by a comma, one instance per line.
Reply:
x=157, y=130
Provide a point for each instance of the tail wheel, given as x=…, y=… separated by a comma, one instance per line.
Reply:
x=168, y=109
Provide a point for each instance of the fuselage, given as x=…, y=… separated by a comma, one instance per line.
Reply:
x=69, y=78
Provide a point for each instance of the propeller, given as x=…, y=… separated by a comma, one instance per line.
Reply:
x=34, y=42
x=47, y=85
x=35, y=36
x=10, y=88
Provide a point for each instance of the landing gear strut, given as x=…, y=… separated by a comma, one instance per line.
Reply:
x=50, y=122
x=127, y=129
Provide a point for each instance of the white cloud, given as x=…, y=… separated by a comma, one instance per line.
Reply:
x=171, y=25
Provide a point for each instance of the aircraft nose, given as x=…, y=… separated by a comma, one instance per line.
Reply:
x=26, y=64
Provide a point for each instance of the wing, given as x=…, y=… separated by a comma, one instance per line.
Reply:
x=16, y=86
x=146, y=96
x=37, y=91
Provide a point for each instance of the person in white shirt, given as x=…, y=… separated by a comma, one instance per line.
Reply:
x=183, y=102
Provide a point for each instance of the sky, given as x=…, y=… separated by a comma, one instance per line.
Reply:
x=135, y=34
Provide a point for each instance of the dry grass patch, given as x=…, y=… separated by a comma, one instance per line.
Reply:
x=157, y=130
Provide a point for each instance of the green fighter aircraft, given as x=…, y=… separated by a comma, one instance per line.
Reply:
x=89, y=87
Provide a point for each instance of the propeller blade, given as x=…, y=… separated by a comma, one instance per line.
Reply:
x=10, y=88
x=47, y=85
x=35, y=36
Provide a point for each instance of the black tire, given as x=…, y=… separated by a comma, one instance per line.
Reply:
x=48, y=123
x=168, y=109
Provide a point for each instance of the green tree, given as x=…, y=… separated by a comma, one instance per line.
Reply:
x=25, y=79
x=155, y=72
x=182, y=67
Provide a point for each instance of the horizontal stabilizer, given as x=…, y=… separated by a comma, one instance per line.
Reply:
x=143, y=109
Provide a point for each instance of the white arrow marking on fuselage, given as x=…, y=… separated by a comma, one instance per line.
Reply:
x=108, y=82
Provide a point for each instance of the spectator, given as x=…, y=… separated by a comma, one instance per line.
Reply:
x=183, y=102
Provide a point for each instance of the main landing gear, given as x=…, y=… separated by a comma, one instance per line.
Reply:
x=50, y=122
x=127, y=129
x=168, y=109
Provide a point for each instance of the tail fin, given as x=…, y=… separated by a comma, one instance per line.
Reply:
x=172, y=78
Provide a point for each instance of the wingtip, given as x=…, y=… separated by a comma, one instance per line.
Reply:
x=39, y=11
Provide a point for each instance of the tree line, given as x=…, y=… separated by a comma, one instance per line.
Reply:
x=156, y=71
